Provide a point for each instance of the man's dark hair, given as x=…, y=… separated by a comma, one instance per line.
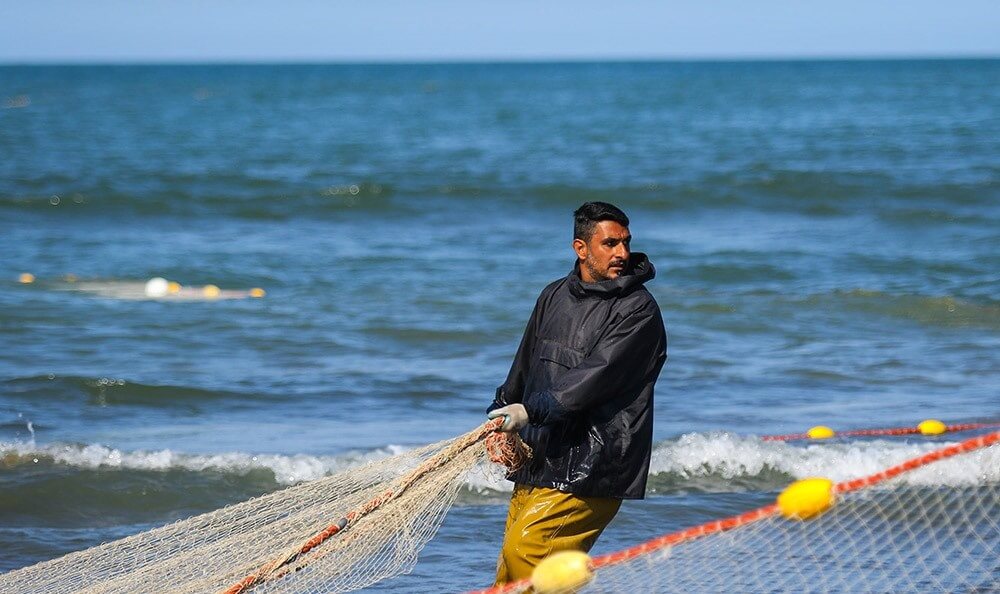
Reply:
x=589, y=214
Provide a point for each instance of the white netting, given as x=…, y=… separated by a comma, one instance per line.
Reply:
x=885, y=540
x=902, y=535
x=908, y=534
x=395, y=505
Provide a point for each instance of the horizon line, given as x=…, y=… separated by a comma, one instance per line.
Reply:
x=498, y=60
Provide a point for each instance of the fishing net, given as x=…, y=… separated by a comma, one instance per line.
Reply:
x=336, y=534
x=888, y=540
x=899, y=530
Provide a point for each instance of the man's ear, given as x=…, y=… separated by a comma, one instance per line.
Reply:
x=580, y=247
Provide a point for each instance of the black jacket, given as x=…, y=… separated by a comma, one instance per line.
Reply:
x=585, y=372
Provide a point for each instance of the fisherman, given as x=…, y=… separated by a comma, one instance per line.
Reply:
x=580, y=394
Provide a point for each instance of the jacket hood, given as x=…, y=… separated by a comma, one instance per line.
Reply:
x=638, y=270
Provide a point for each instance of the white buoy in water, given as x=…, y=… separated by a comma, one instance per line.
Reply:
x=157, y=287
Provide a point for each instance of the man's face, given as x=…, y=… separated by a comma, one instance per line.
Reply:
x=603, y=257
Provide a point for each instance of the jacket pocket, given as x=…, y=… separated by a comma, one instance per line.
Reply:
x=550, y=350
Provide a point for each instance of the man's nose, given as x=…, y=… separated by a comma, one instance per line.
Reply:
x=621, y=251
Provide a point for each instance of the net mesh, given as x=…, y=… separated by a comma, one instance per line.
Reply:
x=895, y=531
x=336, y=534
x=888, y=540
x=899, y=530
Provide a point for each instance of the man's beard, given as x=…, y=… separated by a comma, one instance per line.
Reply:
x=595, y=273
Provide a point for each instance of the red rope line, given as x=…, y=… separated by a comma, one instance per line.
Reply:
x=688, y=534
x=268, y=570
x=953, y=450
x=732, y=522
x=886, y=431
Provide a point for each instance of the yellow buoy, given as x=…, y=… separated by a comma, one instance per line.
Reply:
x=932, y=427
x=565, y=571
x=211, y=291
x=70, y=278
x=821, y=432
x=26, y=278
x=805, y=499
x=173, y=287
x=257, y=292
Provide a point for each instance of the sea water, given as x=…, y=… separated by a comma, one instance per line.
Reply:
x=826, y=237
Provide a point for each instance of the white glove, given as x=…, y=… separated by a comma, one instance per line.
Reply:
x=515, y=415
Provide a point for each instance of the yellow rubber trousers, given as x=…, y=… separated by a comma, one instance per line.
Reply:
x=541, y=521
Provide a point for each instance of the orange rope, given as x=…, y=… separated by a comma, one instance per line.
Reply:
x=725, y=524
x=507, y=449
x=887, y=431
x=960, y=448
x=270, y=570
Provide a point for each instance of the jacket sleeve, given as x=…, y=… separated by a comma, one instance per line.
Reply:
x=512, y=390
x=620, y=363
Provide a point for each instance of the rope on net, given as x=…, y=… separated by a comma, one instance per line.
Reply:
x=922, y=429
x=768, y=511
x=502, y=448
x=386, y=510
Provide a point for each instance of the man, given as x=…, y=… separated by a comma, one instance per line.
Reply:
x=580, y=394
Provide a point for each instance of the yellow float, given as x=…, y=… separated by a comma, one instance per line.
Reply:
x=821, y=432
x=562, y=572
x=806, y=498
x=932, y=427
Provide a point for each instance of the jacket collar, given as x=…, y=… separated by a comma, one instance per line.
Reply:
x=638, y=270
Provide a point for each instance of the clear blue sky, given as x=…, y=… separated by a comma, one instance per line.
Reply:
x=421, y=30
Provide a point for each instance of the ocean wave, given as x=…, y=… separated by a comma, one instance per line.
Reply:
x=287, y=469
x=931, y=310
x=817, y=193
x=731, y=273
x=240, y=197
x=949, y=311
x=111, y=391
x=728, y=462
x=695, y=461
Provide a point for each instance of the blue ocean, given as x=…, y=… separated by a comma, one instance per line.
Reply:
x=826, y=236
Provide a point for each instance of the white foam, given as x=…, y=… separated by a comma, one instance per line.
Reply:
x=287, y=469
x=732, y=456
x=692, y=455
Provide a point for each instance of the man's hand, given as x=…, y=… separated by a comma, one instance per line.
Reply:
x=515, y=415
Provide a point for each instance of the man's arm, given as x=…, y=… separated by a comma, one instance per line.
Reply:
x=512, y=390
x=621, y=361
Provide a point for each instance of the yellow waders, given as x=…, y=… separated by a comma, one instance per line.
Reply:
x=542, y=521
